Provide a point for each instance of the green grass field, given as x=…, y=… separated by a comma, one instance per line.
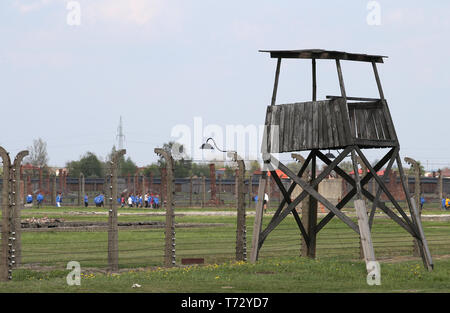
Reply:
x=337, y=267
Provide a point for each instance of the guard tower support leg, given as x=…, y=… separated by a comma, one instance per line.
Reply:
x=363, y=219
x=309, y=216
x=257, y=224
x=422, y=242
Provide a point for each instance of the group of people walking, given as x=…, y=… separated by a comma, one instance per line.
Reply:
x=148, y=200
x=132, y=201
x=40, y=199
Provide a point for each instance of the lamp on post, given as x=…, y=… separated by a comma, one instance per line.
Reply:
x=330, y=155
x=241, y=232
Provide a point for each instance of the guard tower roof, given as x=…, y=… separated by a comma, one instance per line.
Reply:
x=324, y=54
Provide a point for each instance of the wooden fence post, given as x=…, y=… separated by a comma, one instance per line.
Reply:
x=364, y=172
x=113, y=228
x=366, y=238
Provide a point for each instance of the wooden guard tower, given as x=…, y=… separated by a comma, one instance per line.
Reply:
x=340, y=122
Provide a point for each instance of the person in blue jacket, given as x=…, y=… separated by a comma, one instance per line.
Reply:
x=29, y=199
x=40, y=199
x=99, y=200
x=156, y=202
x=86, y=200
x=443, y=204
x=422, y=201
x=58, y=200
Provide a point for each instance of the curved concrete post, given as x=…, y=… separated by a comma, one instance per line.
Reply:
x=17, y=206
x=416, y=167
x=113, y=228
x=5, y=262
x=241, y=231
x=169, y=253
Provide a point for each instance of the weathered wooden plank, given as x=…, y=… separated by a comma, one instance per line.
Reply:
x=339, y=124
x=334, y=127
x=309, y=125
x=329, y=125
x=365, y=126
x=375, y=143
x=365, y=105
x=343, y=105
x=274, y=130
x=257, y=225
x=297, y=129
x=323, y=142
x=281, y=121
x=314, y=80
x=379, y=125
x=353, y=98
x=315, y=125
x=387, y=114
x=293, y=119
x=266, y=134
x=301, y=127
x=370, y=124
x=304, y=126
x=351, y=113
x=275, y=84
x=384, y=124
x=364, y=230
x=361, y=127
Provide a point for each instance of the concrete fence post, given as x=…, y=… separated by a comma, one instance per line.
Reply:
x=440, y=189
x=190, y=190
x=17, y=206
x=203, y=191
x=241, y=229
x=415, y=166
x=169, y=251
x=5, y=258
x=212, y=182
x=113, y=228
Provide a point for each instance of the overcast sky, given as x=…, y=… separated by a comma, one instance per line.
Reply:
x=162, y=63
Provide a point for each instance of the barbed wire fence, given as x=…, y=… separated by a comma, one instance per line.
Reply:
x=145, y=238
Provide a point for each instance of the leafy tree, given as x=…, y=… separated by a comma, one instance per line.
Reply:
x=153, y=168
x=127, y=166
x=38, y=153
x=199, y=169
x=88, y=164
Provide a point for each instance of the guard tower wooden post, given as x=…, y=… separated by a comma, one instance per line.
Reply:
x=346, y=123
